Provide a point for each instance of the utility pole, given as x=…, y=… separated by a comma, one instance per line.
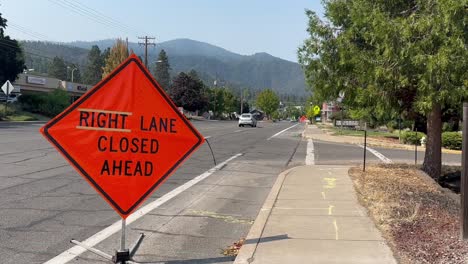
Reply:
x=241, y=102
x=146, y=43
x=464, y=176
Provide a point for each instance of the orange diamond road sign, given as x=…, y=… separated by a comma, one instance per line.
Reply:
x=124, y=136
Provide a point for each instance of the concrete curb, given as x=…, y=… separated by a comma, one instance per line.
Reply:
x=370, y=142
x=247, y=251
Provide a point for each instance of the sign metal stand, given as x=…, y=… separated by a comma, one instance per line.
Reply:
x=133, y=123
x=123, y=255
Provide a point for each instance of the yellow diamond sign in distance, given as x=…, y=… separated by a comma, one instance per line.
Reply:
x=316, y=110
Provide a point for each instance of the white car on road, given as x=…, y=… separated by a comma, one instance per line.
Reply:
x=247, y=119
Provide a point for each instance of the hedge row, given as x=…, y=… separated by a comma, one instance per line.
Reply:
x=452, y=140
x=413, y=138
x=48, y=104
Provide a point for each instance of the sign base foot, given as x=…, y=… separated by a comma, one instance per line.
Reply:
x=121, y=256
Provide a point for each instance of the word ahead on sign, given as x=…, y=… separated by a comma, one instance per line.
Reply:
x=124, y=136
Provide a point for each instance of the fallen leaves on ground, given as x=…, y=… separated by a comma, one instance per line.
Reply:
x=419, y=219
x=233, y=249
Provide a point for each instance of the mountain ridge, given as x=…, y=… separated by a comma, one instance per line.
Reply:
x=257, y=71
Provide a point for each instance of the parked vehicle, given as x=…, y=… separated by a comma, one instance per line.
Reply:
x=12, y=98
x=247, y=119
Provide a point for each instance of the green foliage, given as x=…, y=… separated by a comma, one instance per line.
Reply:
x=161, y=72
x=268, y=101
x=339, y=115
x=310, y=113
x=50, y=104
x=294, y=112
x=187, y=92
x=58, y=69
x=223, y=101
x=11, y=55
x=450, y=127
x=412, y=138
x=93, y=72
x=46, y=50
x=275, y=115
x=381, y=53
x=452, y=140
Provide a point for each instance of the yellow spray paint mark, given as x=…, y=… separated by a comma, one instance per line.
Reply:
x=330, y=183
x=225, y=218
x=323, y=196
x=336, y=229
x=330, y=209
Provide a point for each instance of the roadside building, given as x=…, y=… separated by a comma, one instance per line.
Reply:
x=27, y=83
x=328, y=109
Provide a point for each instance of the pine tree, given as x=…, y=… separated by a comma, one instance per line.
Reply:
x=118, y=54
x=161, y=73
x=93, y=71
x=11, y=55
x=58, y=69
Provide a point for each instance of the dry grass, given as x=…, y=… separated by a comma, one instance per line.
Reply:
x=418, y=218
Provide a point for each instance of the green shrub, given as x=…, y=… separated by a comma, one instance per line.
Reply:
x=31, y=102
x=337, y=116
x=452, y=140
x=411, y=137
x=50, y=104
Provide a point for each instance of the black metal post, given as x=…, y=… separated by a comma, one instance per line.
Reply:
x=212, y=154
x=365, y=150
x=399, y=129
x=6, y=97
x=416, y=147
x=341, y=129
x=464, y=182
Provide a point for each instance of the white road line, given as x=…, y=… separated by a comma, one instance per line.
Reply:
x=378, y=155
x=238, y=131
x=207, y=137
x=115, y=227
x=310, y=156
x=284, y=130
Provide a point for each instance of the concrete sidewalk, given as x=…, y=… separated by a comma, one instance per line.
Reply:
x=312, y=216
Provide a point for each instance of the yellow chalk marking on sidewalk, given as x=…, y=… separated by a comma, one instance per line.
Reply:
x=330, y=209
x=323, y=196
x=336, y=229
x=330, y=183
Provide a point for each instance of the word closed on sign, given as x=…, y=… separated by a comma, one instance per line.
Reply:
x=125, y=136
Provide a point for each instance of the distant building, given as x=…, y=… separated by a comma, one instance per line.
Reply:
x=28, y=83
x=328, y=109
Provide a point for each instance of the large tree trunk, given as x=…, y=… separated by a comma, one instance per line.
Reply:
x=433, y=158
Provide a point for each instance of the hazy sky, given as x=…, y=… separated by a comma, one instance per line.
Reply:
x=242, y=26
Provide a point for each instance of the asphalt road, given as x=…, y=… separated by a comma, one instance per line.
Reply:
x=44, y=203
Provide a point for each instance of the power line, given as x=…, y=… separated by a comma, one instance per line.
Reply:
x=110, y=19
x=81, y=10
x=146, y=43
x=14, y=49
x=27, y=31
